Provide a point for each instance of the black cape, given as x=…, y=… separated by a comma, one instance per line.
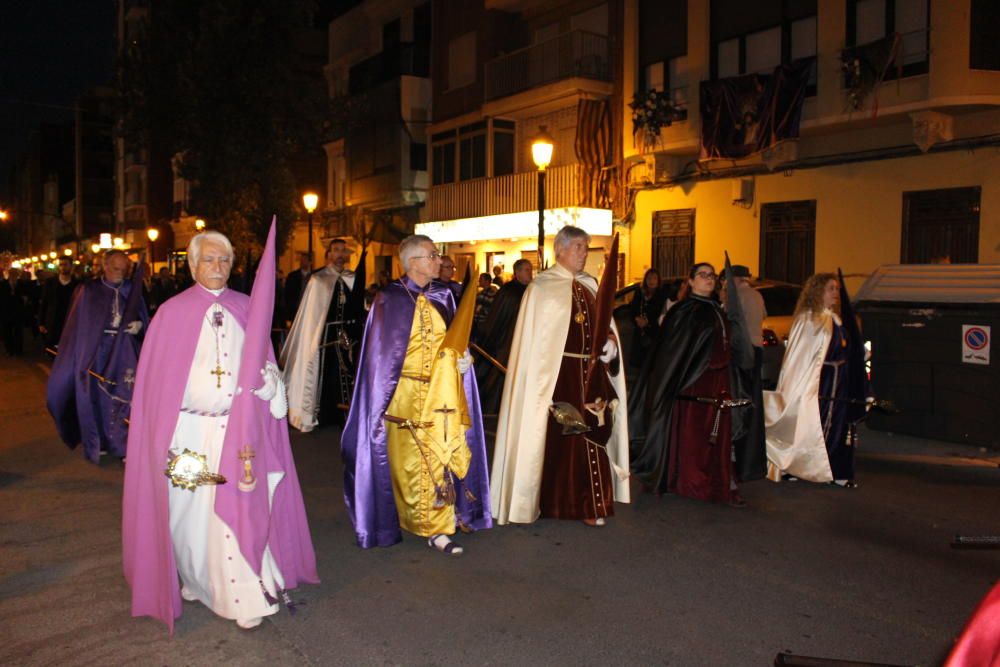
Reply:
x=495, y=338
x=681, y=354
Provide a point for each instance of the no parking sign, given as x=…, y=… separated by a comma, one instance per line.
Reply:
x=976, y=344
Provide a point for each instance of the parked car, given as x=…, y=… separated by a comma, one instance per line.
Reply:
x=779, y=301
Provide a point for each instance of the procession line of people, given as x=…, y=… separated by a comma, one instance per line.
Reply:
x=212, y=508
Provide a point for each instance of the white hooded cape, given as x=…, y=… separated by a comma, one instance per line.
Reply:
x=795, y=442
x=300, y=356
x=535, y=358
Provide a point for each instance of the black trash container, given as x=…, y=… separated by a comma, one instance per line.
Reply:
x=930, y=329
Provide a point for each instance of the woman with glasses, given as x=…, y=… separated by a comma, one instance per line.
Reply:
x=678, y=425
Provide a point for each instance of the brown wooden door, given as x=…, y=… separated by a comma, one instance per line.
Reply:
x=788, y=241
x=941, y=226
x=673, y=242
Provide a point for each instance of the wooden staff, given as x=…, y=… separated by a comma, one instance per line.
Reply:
x=485, y=355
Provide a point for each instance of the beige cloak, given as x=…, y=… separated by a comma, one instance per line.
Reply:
x=795, y=442
x=535, y=357
x=300, y=355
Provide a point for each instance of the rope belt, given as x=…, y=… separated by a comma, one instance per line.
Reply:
x=205, y=413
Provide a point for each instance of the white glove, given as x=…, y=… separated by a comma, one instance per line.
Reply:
x=271, y=377
x=464, y=363
x=134, y=328
x=273, y=391
x=610, y=352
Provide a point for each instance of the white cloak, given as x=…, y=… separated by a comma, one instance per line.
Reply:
x=536, y=354
x=795, y=442
x=300, y=355
x=212, y=568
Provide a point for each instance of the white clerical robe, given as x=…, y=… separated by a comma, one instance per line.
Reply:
x=211, y=566
x=300, y=356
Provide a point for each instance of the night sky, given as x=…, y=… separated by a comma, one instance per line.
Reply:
x=50, y=52
x=53, y=50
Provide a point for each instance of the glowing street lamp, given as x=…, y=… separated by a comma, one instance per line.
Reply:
x=68, y=252
x=4, y=215
x=95, y=248
x=152, y=234
x=52, y=255
x=310, y=200
x=105, y=241
x=541, y=154
x=119, y=242
x=199, y=225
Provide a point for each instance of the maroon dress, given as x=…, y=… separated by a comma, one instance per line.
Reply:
x=699, y=465
x=577, y=480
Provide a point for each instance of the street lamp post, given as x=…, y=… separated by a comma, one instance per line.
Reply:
x=310, y=201
x=541, y=153
x=152, y=234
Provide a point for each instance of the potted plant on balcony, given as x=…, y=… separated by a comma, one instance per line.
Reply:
x=651, y=111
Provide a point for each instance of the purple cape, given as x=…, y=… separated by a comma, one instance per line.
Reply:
x=147, y=549
x=367, y=480
x=81, y=410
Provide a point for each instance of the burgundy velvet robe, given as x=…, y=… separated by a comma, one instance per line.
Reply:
x=577, y=481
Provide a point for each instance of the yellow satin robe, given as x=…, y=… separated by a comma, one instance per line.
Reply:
x=415, y=466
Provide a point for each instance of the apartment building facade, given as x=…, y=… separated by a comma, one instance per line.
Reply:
x=377, y=77
x=897, y=158
x=503, y=72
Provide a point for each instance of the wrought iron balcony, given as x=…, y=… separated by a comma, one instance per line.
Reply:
x=573, y=54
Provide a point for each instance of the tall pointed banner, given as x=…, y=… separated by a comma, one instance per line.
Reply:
x=357, y=314
x=256, y=451
x=750, y=456
x=605, y=307
x=741, y=349
x=119, y=371
x=857, y=378
x=445, y=417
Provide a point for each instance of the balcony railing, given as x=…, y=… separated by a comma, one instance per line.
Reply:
x=573, y=54
x=504, y=194
x=405, y=59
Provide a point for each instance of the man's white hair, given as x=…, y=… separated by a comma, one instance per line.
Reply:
x=567, y=235
x=410, y=247
x=194, y=247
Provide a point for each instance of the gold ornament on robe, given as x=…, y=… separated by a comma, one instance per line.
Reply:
x=445, y=408
x=248, y=482
x=189, y=470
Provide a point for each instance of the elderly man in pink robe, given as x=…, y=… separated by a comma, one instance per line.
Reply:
x=212, y=509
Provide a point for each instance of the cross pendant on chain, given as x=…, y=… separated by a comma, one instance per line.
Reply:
x=218, y=373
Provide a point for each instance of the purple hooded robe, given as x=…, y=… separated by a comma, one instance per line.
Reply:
x=82, y=411
x=367, y=479
x=147, y=548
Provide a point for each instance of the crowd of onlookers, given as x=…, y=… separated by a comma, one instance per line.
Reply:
x=36, y=303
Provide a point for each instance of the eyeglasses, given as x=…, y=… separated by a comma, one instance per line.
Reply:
x=432, y=256
x=707, y=275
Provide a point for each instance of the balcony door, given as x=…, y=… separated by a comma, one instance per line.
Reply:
x=788, y=241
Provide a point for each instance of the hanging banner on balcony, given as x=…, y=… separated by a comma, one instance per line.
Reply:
x=743, y=115
x=593, y=150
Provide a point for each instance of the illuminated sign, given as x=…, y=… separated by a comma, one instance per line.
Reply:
x=524, y=224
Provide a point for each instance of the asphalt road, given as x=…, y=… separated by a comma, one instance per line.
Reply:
x=864, y=574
